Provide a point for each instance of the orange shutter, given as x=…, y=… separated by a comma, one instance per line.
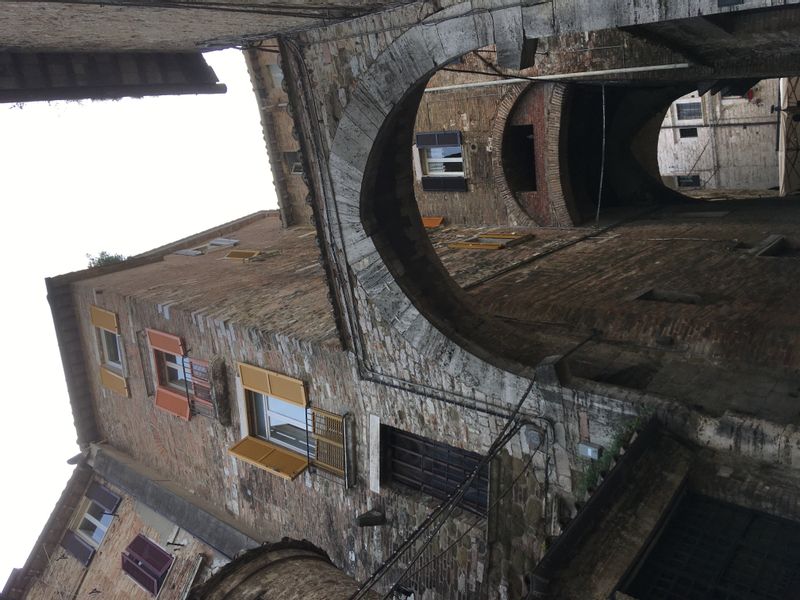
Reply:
x=113, y=381
x=172, y=402
x=105, y=319
x=270, y=457
x=273, y=384
x=287, y=388
x=254, y=378
x=165, y=342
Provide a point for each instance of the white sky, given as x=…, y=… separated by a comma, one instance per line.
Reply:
x=79, y=178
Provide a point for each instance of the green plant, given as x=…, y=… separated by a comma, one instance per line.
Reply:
x=597, y=467
x=104, y=258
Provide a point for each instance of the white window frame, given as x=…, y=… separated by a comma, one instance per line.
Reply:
x=82, y=514
x=102, y=343
x=250, y=403
x=426, y=161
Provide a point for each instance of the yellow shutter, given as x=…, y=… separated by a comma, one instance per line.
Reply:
x=254, y=378
x=273, y=384
x=287, y=388
x=270, y=457
x=113, y=381
x=105, y=319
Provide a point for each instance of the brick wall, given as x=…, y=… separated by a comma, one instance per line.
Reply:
x=66, y=577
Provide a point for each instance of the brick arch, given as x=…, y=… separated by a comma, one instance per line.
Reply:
x=561, y=210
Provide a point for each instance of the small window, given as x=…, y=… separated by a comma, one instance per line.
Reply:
x=441, y=161
x=90, y=523
x=689, y=111
x=433, y=468
x=242, y=254
x=688, y=132
x=110, y=350
x=687, y=181
x=146, y=563
x=182, y=382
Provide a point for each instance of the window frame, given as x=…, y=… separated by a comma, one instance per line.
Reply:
x=140, y=562
x=477, y=503
x=426, y=160
x=83, y=514
x=251, y=397
x=684, y=104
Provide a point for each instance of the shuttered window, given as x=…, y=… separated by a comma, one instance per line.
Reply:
x=89, y=526
x=277, y=422
x=109, y=345
x=182, y=383
x=146, y=563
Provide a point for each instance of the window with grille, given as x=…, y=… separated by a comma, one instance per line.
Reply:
x=688, y=132
x=688, y=111
x=433, y=468
x=688, y=180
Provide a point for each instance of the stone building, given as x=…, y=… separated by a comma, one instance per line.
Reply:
x=101, y=541
x=627, y=378
x=725, y=138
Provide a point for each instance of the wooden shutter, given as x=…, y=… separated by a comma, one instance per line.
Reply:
x=438, y=138
x=156, y=559
x=254, y=378
x=105, y=319
x=270, y=457
x=165, y=342
x=139, y=574
x=103, y=497
x=172, y=402
x=75, y=545
x=113, y=381
x=287, y=388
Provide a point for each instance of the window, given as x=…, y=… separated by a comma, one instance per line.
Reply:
x=281, y=422
x=91, y=523
x=293, y=161
x=688, y=132
x=688, y=111
x=214, y=244
x=110, y=350
x=442, y=161
x=432, y=467
x=274, y=422
x=182, y=383
x=688, y=180
x=146, y=563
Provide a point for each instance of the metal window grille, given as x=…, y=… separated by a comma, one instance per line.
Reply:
x=712, y=549
x=688, y=132
x=689, y=110
x=434, y=468
x=688, y=180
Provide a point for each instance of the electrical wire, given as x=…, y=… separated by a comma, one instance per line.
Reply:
x=444, y=510
x=602, y=159
x=277, y=10
x=481, y=519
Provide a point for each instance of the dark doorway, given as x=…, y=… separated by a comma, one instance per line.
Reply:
x=519, y=164
x=712, y=549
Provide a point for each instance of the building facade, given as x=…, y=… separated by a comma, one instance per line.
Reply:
x=447, y=424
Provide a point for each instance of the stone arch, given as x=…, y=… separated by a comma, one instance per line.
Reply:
x=387, y=251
